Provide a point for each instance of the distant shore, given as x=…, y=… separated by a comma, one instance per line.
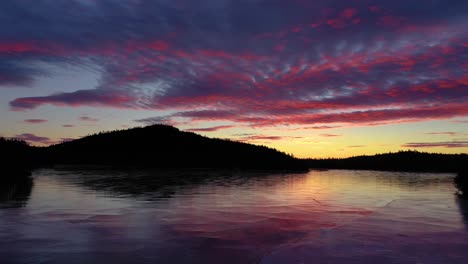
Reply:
x=409, y=161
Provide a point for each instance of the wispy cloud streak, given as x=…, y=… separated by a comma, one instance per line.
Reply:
x=445, y=144
x=313, y=63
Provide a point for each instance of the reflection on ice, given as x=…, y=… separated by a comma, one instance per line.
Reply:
x=225, y=217
x=463, y=206
x=15, y=192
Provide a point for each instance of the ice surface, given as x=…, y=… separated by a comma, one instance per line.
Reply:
x=220, y=217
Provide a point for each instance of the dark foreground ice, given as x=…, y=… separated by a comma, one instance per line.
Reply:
x=74, y=216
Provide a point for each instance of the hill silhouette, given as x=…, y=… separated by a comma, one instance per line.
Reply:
x=162, y=146
x=399, y=161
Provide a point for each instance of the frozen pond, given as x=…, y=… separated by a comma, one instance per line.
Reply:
x=83, y=216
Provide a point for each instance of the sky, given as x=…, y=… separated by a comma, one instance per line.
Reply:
x=321, y=78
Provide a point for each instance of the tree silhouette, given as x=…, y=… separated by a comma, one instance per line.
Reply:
x=400, y=161
x=163, y=146
x=16, y=157
x=461, y=182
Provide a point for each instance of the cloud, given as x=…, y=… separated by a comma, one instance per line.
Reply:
x=78, y=98
x=330, y=135
x=35, y=121
x=322, y=127
x=88, y=119
x=68, y=125
x=209, y=129
x=443, y=133
x=242, y=134
x=31, y=138
x=254, y=138
x=260, y=138
x=460, y=121
x=444, y=144
x=66, y=139
x=322, y=62
x=397, y=113
x=14, y=72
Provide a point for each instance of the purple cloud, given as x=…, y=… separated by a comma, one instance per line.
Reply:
x=443, y=133
x=88, y=119
x=254, y=138
x=330, y=135
x=323, y=62
x=31, y=138
x=35, y=121
x=322, y=127
x=444, y=144
x=260, y=137
x=78, y=98
x=209, y=129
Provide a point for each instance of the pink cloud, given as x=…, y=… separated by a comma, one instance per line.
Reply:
x=384, y=72
x=349, y=13
x=17, y=47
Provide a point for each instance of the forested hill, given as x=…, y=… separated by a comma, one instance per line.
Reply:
x=162, y=146
x=399, y=161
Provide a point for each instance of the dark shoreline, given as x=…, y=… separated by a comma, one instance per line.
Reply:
x=405, y=161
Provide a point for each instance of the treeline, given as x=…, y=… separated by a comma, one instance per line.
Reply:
x=400, y=161
x=16, y=158
x=162, y=146
x=461, y=182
